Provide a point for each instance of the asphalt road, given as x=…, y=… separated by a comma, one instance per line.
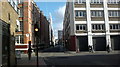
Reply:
x=110, y=60
x=57, y=48
x=55, y=57
x=101, y=59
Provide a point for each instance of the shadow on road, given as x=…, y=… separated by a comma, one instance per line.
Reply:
x=54, y=49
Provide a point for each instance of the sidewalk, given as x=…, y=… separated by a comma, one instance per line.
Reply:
x=24, y=62
x=96, y=52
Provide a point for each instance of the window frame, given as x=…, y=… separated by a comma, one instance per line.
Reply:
x=19, y=39
x=80, y=1
x=98, y=27
x=81, y=27
x=97, y=14
x=114, y=13
x=113, y=1
x=96, y=1
x=114, y=26
x=80, y=13
x=21, y=12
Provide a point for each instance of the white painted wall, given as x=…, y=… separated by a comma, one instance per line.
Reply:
x=0, y=43
x=89, y=33
x=108, y=41
x=90, y=42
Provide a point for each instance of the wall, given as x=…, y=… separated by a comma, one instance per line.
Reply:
x=0, y=43
x=44, y=30
x=7, y=9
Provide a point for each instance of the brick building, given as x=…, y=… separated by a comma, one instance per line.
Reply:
x=29, y=15
x=35, y=20
x=8, y=20
x=44, y=30
x=24, y=32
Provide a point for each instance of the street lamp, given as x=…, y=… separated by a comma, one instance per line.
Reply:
x=36, y=30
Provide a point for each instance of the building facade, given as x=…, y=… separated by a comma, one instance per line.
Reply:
x=44, y=31
x=36, y=20
x=60, y=37
x=93, y=23
x=8, y=20
x=25, y=25
x=51, y=34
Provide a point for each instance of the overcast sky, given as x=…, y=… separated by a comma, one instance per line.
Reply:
x=57, y=10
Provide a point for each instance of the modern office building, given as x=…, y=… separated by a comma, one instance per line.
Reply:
x=92, y=22
x=8, y=20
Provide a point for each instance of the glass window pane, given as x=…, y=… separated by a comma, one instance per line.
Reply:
x=77, y=27
x=76, y=12
x=80, y=27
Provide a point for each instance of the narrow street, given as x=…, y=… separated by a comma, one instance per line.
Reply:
x=59, y=33
x=61, y=59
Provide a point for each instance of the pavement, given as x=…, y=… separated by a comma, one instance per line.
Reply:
x=23, y=62
x=73, y=53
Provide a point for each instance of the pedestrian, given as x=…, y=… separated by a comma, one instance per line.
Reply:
x=90, y=49
x=108, y=48
x=29, y=54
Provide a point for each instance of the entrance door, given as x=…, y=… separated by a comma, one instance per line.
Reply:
x=99, y=43
x=5, y=44
x=115, y=42
x=83, y=43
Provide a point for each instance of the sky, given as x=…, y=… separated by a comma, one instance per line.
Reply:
x=57, y=10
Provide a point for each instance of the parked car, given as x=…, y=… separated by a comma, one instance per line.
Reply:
x=18, y=54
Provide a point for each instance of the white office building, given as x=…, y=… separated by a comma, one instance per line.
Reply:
x=92, y=22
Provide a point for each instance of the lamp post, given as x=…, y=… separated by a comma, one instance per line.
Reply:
x=36, y=30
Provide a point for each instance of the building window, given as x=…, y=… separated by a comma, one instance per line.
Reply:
x=77, y=27
x=96, y=1
x=80, y=1
x=114, y=26
x=20, y=1
x=114, y=13
x=19, y=39
x=81, y=27
x=113, y=1
x=8, y=16
x=21, y=12
x=21, y=26
x=96, y=13
x=98, y=27
x=80, y=13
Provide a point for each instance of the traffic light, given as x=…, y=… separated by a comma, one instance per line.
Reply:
x=36, y=29
x=29, y=50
